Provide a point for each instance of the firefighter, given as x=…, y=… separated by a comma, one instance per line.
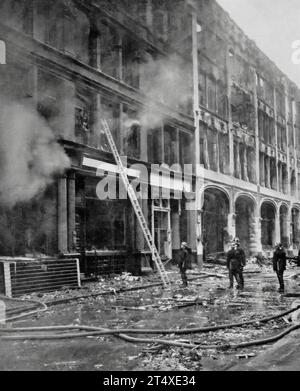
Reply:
x=279, y=265
x=183, y=262
x=236, y=261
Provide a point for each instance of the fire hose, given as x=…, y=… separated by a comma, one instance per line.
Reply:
x=43, y=308
x=120, y=333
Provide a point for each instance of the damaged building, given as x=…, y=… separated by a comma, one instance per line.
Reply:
x=71, y=63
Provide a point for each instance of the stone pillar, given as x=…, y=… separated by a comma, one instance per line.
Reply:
x=230, y=127
x=258, y=233
x=62, y=215
x=71, y=212
x=175, y=224
x=238, y=160
x=268, y=174
x=262, y=170
x=205, y=151
x=245, y=165
x=231, y=228
x=289, y=228
x=277, y=227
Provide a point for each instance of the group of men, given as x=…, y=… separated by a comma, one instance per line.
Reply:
x=236, y=261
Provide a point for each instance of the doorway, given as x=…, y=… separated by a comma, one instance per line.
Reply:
x=161, y=227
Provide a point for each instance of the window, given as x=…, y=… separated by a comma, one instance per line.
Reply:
x=83, y=116
x=170, y=145
x=105, y=224
x=154, y=145
x=186, y=154
x=131, y=133
x=108, y=50
x=131, y=62
x=49, y=99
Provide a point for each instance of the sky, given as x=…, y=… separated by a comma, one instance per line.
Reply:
x=274, y=25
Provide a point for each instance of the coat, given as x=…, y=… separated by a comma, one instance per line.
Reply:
x=183, y=259
x=236, y=258
x=279, y=260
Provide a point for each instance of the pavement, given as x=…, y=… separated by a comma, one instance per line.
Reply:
x=284, y=355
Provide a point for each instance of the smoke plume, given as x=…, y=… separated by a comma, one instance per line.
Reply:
x=29, y=154
x=167, y=81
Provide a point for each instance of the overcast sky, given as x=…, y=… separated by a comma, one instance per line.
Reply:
x=273, y=24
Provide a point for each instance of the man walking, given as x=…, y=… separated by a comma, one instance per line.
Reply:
x=236, y=261
x=183, y=261
x=279, y=265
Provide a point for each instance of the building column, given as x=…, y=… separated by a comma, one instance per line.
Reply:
x=289, y=228
x=268, y=172
x=205, y=151
x=231, y=226
x=175, y=225
x=228, y=94
x=71, y=212
x=245, y=164
x=262, y=170
x=62, y=215
x=238, y=160
x=277, y=226
x=258, y=233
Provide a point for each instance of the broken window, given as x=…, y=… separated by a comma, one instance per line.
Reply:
x=131, y=133
x=224, y=153
x=154, y=145
x=110, y=111
x=186, y=153
x=265, y=91
x=109, y=50
x=212, y=142
x=240, y=71
x=281, y=135
x=63, y=26
x=19, y=235
x=242, y=108
x=49, y=99
x=160, y=19
x=170, y=145
x=221, y=99
x=76, y=33
x=131, y=58
x=211, y=95
x=105, y=224
x=202, y=89
x=280, y=103
x=83, y=116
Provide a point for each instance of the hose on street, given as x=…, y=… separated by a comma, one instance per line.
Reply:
x=43, y=308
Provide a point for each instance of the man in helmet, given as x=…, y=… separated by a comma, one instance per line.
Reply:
x=236, y=261
x=279, y=265
x=183, y=261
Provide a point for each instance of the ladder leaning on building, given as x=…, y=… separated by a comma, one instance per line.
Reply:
x=136, y=206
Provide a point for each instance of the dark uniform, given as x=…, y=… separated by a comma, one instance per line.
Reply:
x=236, y=260
x=279, y=265
x=183, y=262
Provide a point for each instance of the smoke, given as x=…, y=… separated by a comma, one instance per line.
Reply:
x=167, y=81
x=29, y=154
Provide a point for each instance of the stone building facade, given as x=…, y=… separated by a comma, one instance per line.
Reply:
x=74, y=62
